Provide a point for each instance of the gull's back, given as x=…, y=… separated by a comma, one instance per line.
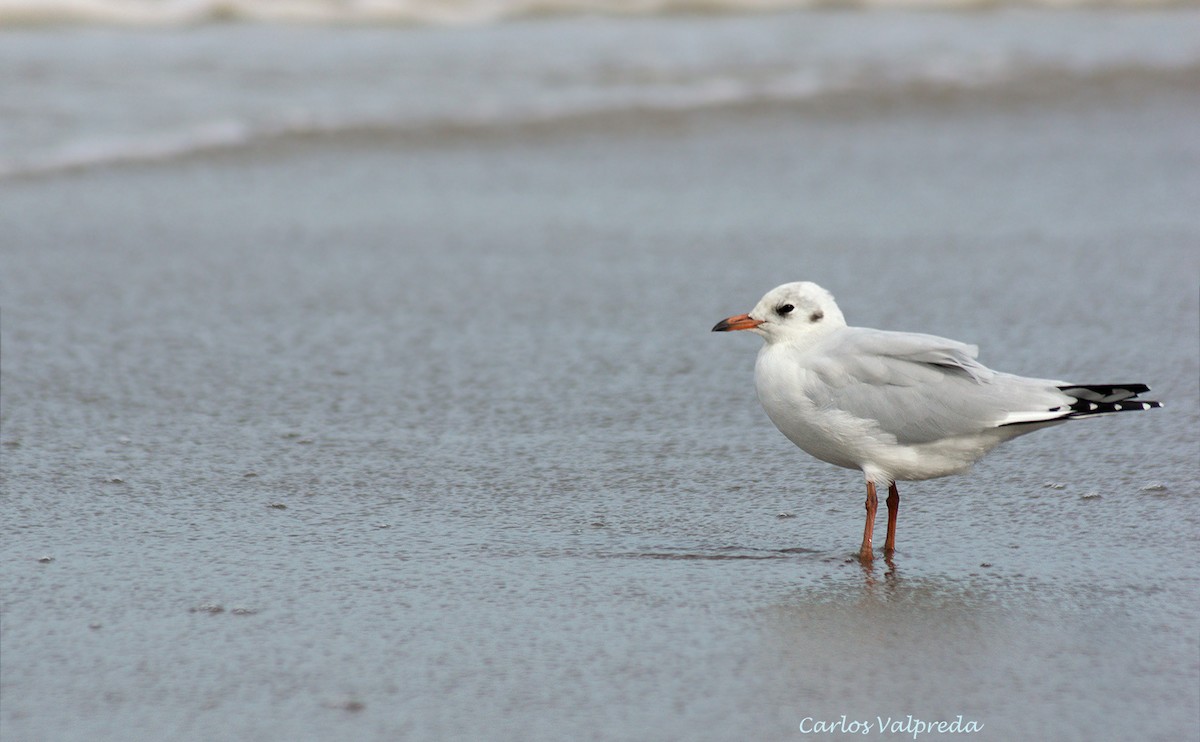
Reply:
x=854, y=394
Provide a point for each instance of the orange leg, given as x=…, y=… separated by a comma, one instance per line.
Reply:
x=893, y=505
x=864, y=553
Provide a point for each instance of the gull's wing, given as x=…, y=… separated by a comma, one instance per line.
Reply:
x=921, y=388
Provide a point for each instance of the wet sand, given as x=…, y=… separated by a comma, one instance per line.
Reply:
x=389, y=437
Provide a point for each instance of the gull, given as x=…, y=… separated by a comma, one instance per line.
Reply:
x=897, y=405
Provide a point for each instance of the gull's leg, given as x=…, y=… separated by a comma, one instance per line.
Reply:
x=864, y=553
x=893, y=503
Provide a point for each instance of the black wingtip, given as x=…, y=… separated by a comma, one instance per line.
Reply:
x=1102, y=399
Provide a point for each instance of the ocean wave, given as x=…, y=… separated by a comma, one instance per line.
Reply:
x=15, y=13
x=714, y=94
x=180, y=143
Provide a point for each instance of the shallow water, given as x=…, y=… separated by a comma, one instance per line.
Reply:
x=382, y=436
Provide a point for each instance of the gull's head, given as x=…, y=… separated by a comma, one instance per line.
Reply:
x=788, y=312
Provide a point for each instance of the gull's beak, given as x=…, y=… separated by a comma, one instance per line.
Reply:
x=740, y=322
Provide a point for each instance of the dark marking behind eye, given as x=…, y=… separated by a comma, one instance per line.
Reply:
x=816, y=316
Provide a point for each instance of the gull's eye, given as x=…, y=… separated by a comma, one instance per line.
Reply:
x=784, y=310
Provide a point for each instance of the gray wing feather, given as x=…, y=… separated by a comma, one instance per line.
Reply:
x=920, y=388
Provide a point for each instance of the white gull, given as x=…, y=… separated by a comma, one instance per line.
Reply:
x=897, y=405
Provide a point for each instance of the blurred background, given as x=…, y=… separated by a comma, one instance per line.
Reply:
x=356, y=378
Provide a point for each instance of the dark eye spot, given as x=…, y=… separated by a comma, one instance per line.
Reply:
x=816, y=316
x=784, y=310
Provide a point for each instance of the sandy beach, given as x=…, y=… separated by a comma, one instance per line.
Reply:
x=413, y=427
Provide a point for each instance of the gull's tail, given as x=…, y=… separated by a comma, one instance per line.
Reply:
x=1103, y=399
x=1083, y=401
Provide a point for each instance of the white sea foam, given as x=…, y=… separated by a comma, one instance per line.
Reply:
x=226, y=134
x=452, y=12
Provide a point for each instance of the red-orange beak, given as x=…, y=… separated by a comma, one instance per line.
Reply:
x=740, y=322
